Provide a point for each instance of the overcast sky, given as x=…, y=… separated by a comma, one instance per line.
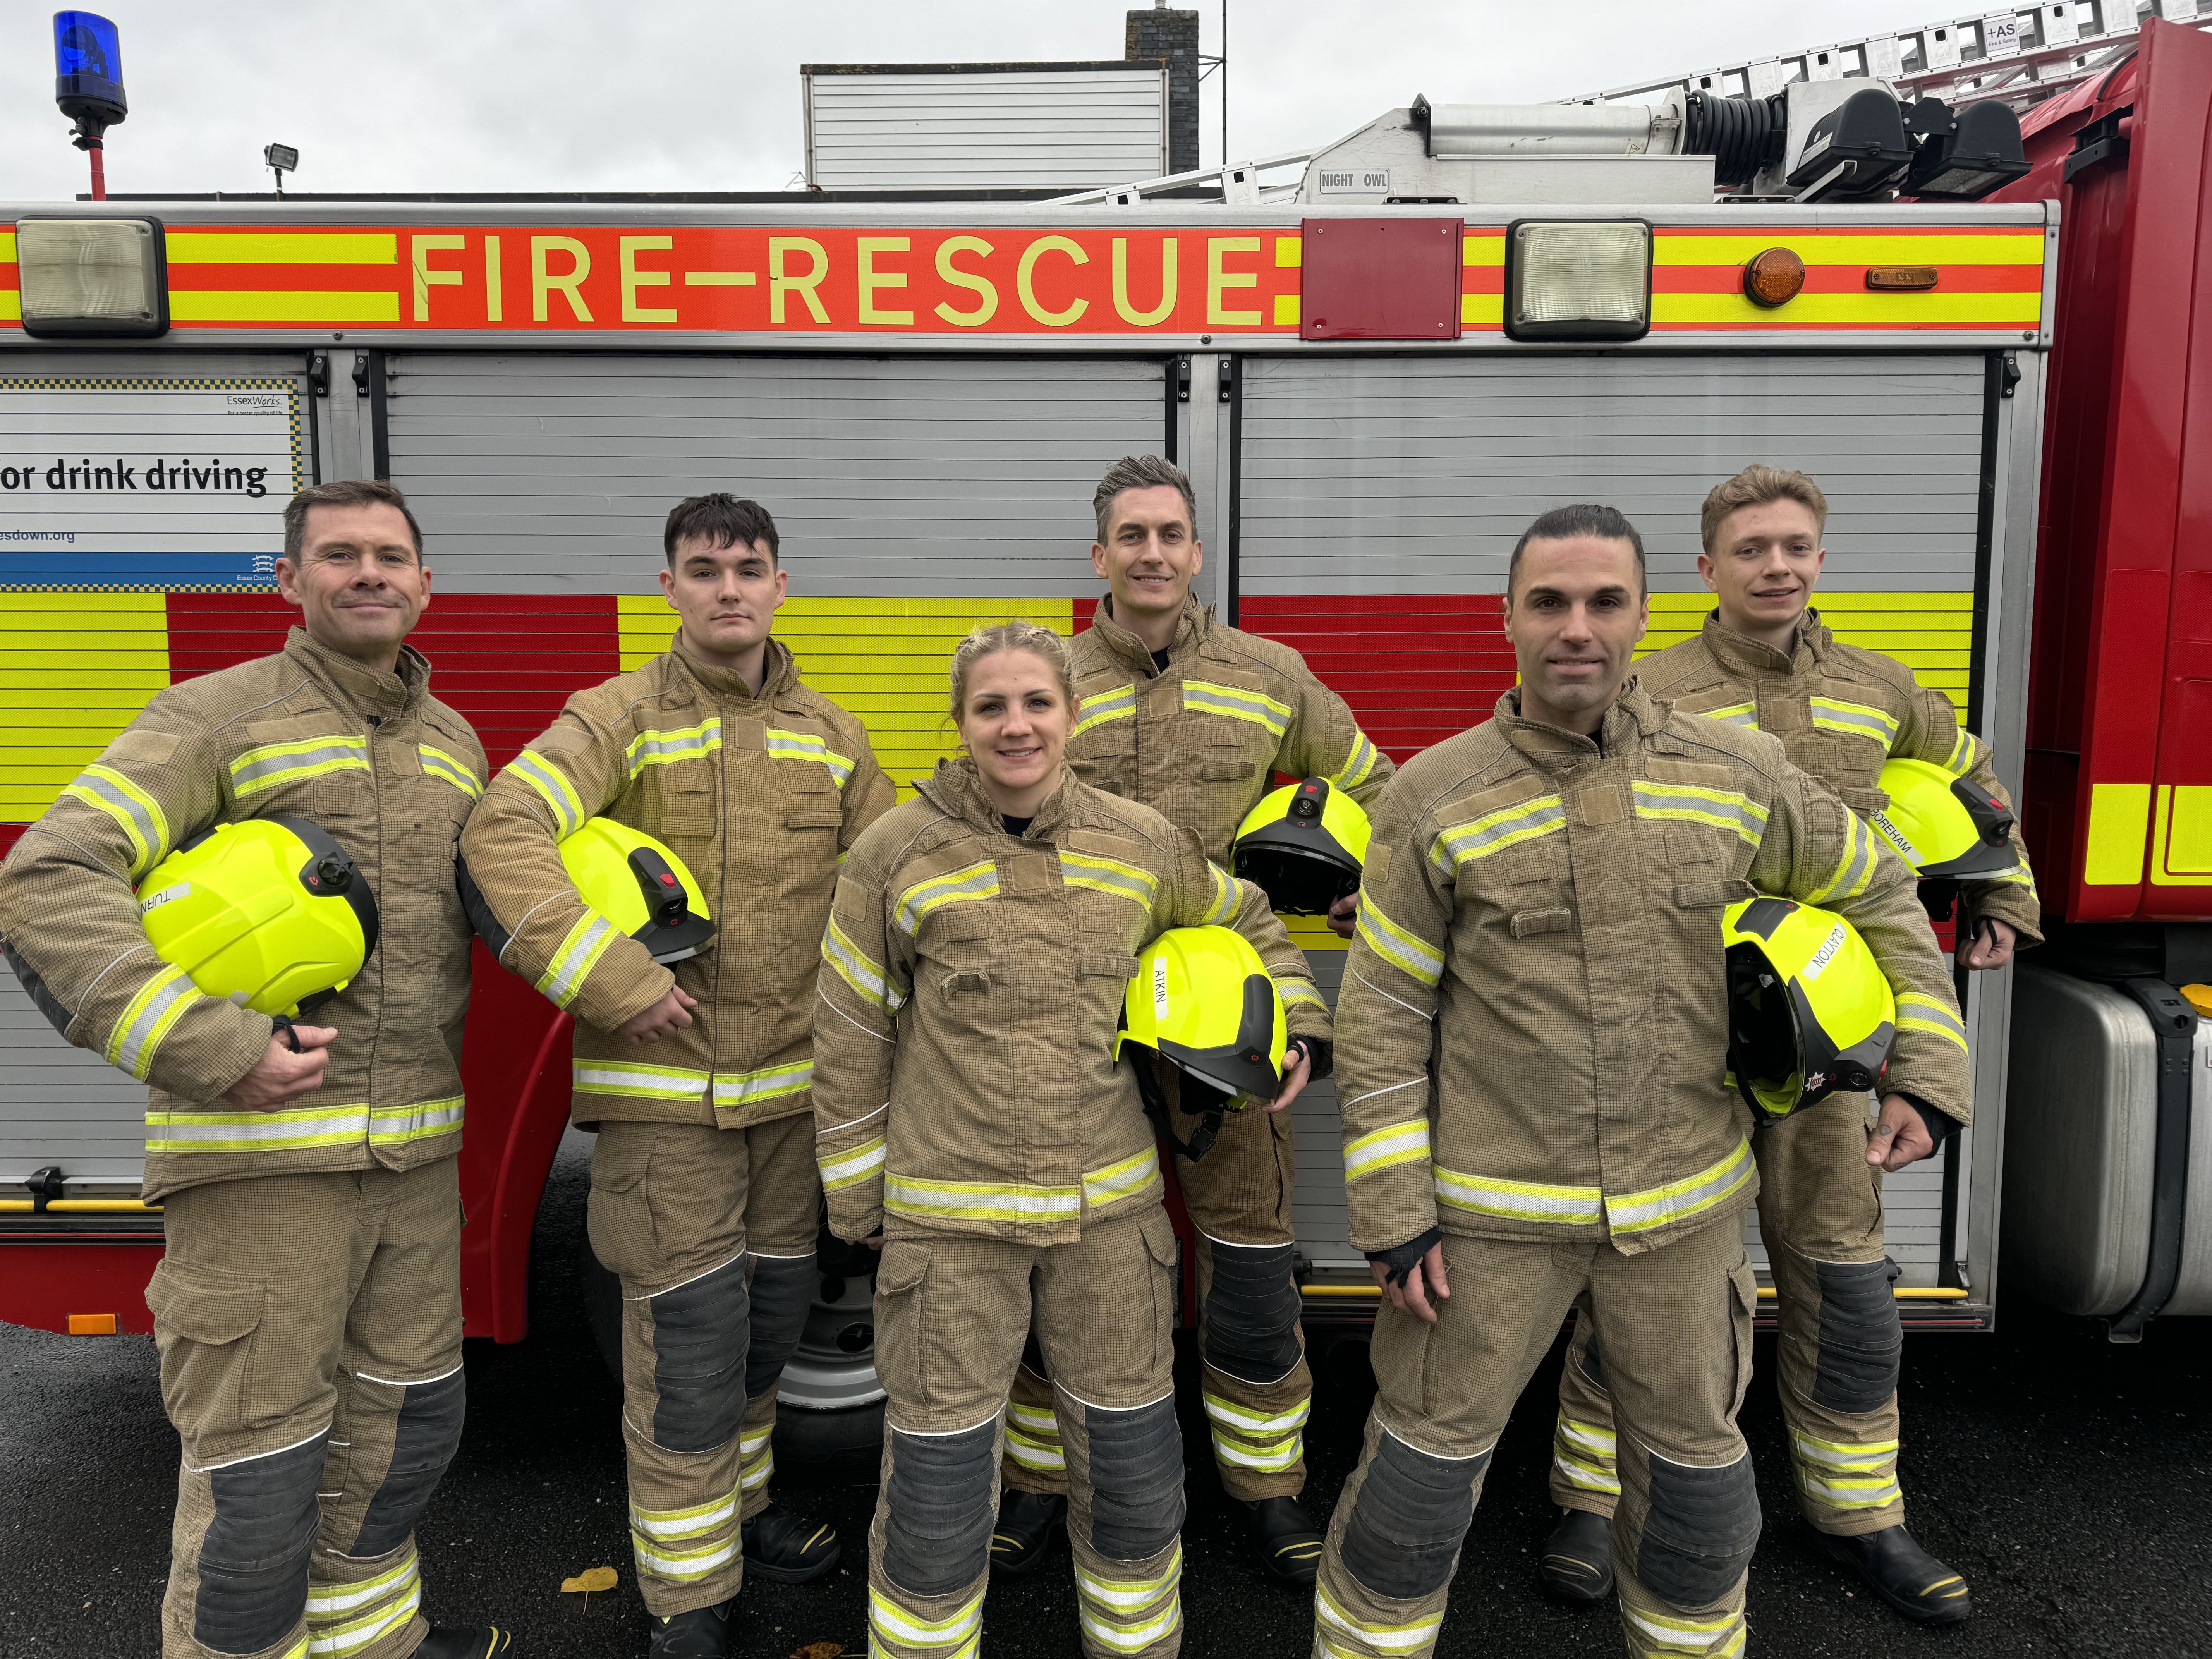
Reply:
x=687, y=95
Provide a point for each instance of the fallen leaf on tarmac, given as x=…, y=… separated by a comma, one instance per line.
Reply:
x=819, y=1650
x=589, y=1580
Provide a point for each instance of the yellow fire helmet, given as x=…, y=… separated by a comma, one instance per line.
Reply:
x=640, y=885
x=1810, y=1011
x=1304, y=847
x=1202, y=1000
x=269, y=913
x=1942, y=826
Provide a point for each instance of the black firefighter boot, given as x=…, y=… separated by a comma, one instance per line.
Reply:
x=701, y=1633
x=1578, y=1564
x=1022, y=1539
x=462, y=1642
x=1914, y=1583
x=781, y=1546
x=1289, y=1547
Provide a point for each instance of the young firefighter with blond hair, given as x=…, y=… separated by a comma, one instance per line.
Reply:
x=308, y=1307
x=969, y=1106
x=704, y=1198
x=1765, y=661
x=1537, y=1109
x=1194, y=718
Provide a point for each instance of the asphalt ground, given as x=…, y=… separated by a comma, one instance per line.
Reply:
x=2069, y=1479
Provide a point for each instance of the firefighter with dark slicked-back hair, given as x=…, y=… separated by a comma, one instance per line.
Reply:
x=1193, y=718
x=308, y=1307
x=1765, y=660
x=696, y=1069
x=1534, y=1053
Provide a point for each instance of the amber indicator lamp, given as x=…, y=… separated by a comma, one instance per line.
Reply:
x=1773, y=277
x=1909, y=279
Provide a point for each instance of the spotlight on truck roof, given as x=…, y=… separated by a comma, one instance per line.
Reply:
x=88, y=68
x=1965, y=155
x=1857, y=147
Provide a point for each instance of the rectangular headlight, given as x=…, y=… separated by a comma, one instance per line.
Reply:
x=93, y=276
x=1577, y=279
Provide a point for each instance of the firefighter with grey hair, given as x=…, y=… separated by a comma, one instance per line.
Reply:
x=1192, y=717
x=308, y=1306
x=1538, y=1113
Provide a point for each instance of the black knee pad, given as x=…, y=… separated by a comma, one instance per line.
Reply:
x=1862, y=1339
x=1592, y=1365
x=1136, y=1480
x=254, y=1557
x=700, y=1332
x=937, y=1537
x=1252, y=1312
x=782, y=1291
x=1412, y=1513
x=1699, y=1537
x=428, y=1434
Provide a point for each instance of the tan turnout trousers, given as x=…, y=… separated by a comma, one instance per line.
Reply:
x=952, y=1313
x=711, y=1233
x=1819, y=1214
x=1674, y=1326
x=309, y=1328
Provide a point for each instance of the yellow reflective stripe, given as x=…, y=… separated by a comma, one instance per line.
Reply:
x=981, y=1200
x=1675, y=1632
x=1678, y=1200
x=769, y=1083
x=807, y=746
x=326, y=1602
x=1518, y=1200
x=1386, y=1148
x=437, y=763
x=1042, y=1419
x=147, y=1019
x=1257, y=708
x=680, y=1566
x=1851, y=1492
x=1221, y=908
x=550, y=783
x=1123, y=1180
x=1856, y=720
x=1744, y=715
x=1861, y=1457
x=1590, y=1477
x=851, y=1167
x=1388, y=1637
x=894, y=1623
x=138, y=813
x=858, y=970
x=1413, y=957
x=756, y=1457
x=395, y=1126
x=965, y=885
x=292, y=1130
x=275, y=763
x=636, y=1080
x=1586, y=1437
x=1457, y=844
x=1116, y=705
x=1689, y=803
x=2119, y=835
x=1929, y=1014
x=1961, y=760
x=578, y=952
x=652, y=748
x=1109, y=876
x=1034, y=1451
x=1103, y=1604
x=1244, y=1420
x=1854, y=870
x=1358, y=765
x=1295, y=991
x=351, y=1637
x=669, y=1526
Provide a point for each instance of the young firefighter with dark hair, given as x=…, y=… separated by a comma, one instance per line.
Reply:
x=1765, y=661
x=970, y=1107
x=705, y=1201
x=308, y=1307
x=1534, y=1053
x=1193, y=718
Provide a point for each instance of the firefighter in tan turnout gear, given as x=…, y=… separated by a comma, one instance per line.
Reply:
x=1193, y=718
x=704, y=1198
x=307, y=1309
x=1765, y=661
x=1537, y=1114
x=969, y=1105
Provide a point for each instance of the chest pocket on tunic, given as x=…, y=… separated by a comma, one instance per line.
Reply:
x=1240, y=729
x=1704, y=830
x=309, y=766
x=960, y=943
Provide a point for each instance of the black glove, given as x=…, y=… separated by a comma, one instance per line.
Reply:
x=1319, y=1053
x=1941, y=1125
x=1407, y=1256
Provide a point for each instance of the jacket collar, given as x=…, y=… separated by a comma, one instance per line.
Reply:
x=1191, y=630
x=779, y=674
x=1634, y=714
x=361, y=688
x=1742, y=655
x=955, y=789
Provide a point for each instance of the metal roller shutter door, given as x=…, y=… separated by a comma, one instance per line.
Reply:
x=1381, y=497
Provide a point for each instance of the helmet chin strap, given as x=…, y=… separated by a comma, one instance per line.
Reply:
x=1199, y=1098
